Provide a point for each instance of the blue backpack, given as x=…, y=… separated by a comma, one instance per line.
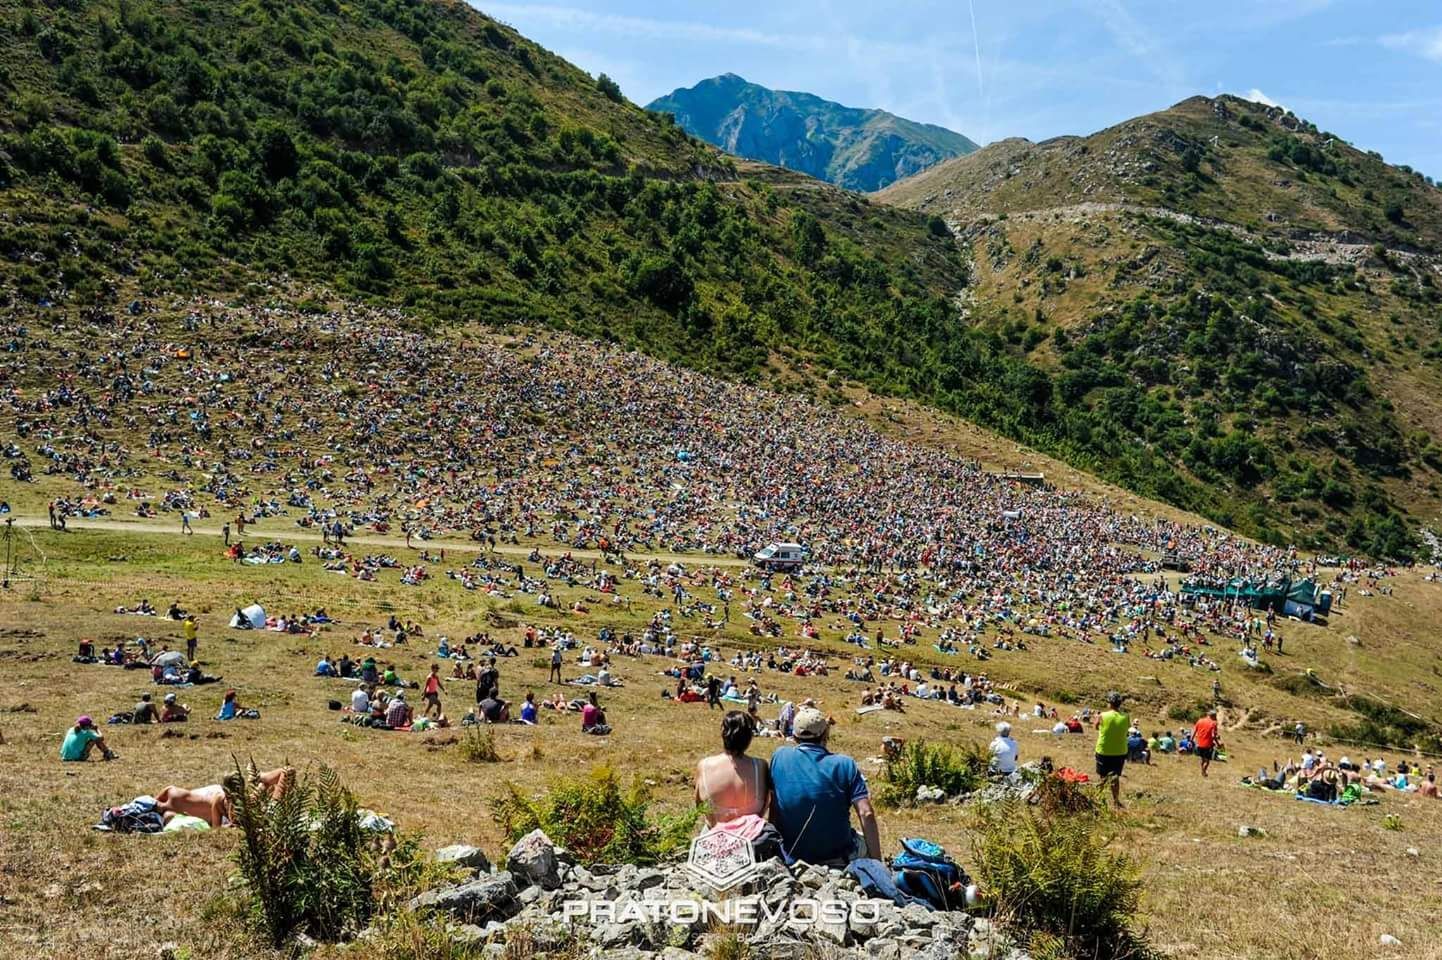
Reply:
x=923, y=870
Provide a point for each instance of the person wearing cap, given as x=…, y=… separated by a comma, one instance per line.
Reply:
x=81, y=739
x=813, y=791
x=1004, y=750
x=398, y=714
x=1111, y=750
x=173, y=712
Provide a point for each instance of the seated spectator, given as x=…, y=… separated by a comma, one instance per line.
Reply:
x=593, y=718
x=145, y=711
x=731, y=784
x=1137, y=751
x=174, y=712
x=229, y=707
x=528, y=709
x=83, y=738
x=493, y=709
x=325, y=668
x=813, y=791
x=398, y=713
x=1004, y=750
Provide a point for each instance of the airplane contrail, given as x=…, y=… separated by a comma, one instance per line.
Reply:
x=976, y=41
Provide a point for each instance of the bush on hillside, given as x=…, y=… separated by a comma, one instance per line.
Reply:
x=597, y=820
x=307, y=864
x=1189, y=712
x=1052, y=880
x=954, y=770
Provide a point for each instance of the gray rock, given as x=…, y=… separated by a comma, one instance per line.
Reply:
x=464, y=855
x=676, y=953
x=883, y=948
x=613, y=935
x=646, y=879
x=533, y=860
x=530, y=895
x=918, y=917
x=488, y=898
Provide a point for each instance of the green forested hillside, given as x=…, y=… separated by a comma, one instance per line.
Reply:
x=416, y=151
x=1235, y=311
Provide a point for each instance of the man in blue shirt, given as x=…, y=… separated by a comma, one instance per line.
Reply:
x=815, y=790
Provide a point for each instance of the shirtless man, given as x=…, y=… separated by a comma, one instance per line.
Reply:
x=210, y=802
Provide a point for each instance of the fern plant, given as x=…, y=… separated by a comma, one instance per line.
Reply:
x=306, y=862
x=1051, y=875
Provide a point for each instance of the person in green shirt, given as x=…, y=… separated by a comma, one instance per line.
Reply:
x=1112, y=731
x=81, y=739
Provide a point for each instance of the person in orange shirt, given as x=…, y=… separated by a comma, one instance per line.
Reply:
x=1204, y=735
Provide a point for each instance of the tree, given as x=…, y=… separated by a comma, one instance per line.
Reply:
x=610, y=88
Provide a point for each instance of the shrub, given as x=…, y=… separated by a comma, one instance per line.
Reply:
x=1392, y=822
x=597, y=820
x=1189, y=712
x=1052, y=876
x=478, y=744
x=306, y=862
x=955, y=771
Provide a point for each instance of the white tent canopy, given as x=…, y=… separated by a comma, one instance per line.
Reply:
x=254, y=615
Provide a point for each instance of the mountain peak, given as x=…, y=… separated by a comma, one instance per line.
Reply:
x=856, y=148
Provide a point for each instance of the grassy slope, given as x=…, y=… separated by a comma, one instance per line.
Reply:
x=1334, y=368
x=1182, y=828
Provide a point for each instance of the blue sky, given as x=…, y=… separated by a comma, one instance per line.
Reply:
x=1370, y=72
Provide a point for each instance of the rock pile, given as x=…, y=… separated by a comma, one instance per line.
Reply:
x=545, y=902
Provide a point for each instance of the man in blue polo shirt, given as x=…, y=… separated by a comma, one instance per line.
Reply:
x=814, y=791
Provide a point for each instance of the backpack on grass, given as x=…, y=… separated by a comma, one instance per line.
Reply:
x=925, y=871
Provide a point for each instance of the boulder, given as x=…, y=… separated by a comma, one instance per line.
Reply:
x=533, y=860
x=464, y=855
x=479, y=901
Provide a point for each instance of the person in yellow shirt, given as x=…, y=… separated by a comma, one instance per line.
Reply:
x=1112, y=732
x=190, y=633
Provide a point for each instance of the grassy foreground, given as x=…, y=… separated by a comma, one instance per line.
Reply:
x=71, y=892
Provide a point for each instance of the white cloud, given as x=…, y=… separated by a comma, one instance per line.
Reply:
x=1426, y=42
x=1257, y=96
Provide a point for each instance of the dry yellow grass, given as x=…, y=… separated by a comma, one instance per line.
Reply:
x=1322, y=881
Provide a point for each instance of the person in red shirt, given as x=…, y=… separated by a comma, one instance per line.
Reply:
x=432, y=691
x=1204, y=735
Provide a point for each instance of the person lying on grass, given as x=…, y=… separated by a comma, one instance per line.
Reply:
x=81, y=739
x=211, y=803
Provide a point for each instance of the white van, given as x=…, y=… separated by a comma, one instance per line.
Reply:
x=780, y=556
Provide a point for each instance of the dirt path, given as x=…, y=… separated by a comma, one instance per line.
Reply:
x=1333, y=249
x=170, y=527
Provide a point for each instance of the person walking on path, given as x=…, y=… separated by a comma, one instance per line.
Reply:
x=555, y=675
x=225, y=532
x=185, y=523
x=1111, y=750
